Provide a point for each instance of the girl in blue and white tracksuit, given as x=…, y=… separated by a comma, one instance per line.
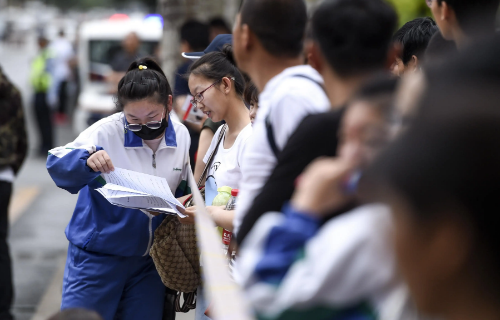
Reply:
x=108, y=268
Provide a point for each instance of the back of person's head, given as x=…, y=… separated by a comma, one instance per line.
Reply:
x=439, y=49
x=196, y=34
x=219, y=23
x=475, y=69
x=144, y=80
x=379, y=91
x=414, y=36
x=354, y=35
x=76, y=314
x=474, y=15
x=279, y=25
x=217, y=65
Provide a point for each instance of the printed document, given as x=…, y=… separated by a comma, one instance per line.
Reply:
x=135, y=190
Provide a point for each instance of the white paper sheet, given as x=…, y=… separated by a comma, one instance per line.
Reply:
x=137, y=190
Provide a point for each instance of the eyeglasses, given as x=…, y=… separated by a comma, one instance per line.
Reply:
x=151, y=124
x=199, y=96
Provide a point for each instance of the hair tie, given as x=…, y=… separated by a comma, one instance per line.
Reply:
x=141, y=67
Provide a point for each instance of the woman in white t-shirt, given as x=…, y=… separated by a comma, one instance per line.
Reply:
x=217, y=87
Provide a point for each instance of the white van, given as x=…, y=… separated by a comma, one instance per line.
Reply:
x=98, y=42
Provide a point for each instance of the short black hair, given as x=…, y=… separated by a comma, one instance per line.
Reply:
x=278, y=24
x=139, y=84
x=218, y=22
x=474, y=15
x=196, y=34
x=219, y=64
x=414, y=36
x=354, y=35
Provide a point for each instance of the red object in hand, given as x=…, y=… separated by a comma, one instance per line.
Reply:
x=226, y=237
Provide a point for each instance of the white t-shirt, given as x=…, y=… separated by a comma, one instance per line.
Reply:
x=225, y=169
x=287, y=98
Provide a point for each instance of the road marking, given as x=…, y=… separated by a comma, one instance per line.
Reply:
x=20, y=201
x=50, y=303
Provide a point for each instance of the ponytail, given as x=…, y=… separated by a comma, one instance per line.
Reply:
x=144, y=79
x=220, y=64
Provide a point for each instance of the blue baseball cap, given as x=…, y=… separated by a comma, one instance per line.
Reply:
x=216, y=45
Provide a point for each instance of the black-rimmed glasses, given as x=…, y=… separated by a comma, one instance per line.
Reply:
x=151, y=124
x=199, y=96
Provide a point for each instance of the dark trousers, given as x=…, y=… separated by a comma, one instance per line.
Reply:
x=44, y=121
x=6, y=287
x=63, y=97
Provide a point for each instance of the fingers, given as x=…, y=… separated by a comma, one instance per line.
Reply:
x=100, y=162
x=106, y=158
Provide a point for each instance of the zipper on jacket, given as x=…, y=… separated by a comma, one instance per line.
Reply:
x=154, y=160
x=150, y=242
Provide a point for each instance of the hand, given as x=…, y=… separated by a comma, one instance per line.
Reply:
x=222, y=218
x=153, y=213
x=190, y=214
x=319, y=190
x=100, y=162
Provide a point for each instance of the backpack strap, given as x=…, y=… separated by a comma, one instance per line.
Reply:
x=209, y=161
x=269, y=126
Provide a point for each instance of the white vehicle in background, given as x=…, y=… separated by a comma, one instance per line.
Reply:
x=98, y=42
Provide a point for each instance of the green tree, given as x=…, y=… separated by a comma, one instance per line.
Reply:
x=410, y=9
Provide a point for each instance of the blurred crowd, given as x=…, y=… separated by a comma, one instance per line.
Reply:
x=349, y=166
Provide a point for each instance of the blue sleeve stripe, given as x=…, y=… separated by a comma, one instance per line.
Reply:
x=284, y=244
x=70, y=172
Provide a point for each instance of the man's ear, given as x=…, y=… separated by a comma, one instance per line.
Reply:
x=446, y=11
x=246, y=37
x=395, y=51
x=414, y=63
x=314, y=56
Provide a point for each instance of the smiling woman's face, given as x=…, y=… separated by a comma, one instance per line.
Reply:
x=214, y=102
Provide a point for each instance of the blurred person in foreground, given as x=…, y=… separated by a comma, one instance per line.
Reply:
x=41, y=81
x=414, y=37
x=13, y=149
x=351, y=42
x=308, y=263
x=218, y=26
x=464, y=21
x=441, y=181
x=268, y=46
x=120, y=62
x=76, y=314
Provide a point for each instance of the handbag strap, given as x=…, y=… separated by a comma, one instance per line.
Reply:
x=209, y=161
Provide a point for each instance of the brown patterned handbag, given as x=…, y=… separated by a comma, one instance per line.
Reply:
x=175, y=251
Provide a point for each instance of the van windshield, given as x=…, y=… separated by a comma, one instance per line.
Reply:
x=101, y=53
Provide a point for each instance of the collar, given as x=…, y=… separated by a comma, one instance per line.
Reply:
x=133, y=141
